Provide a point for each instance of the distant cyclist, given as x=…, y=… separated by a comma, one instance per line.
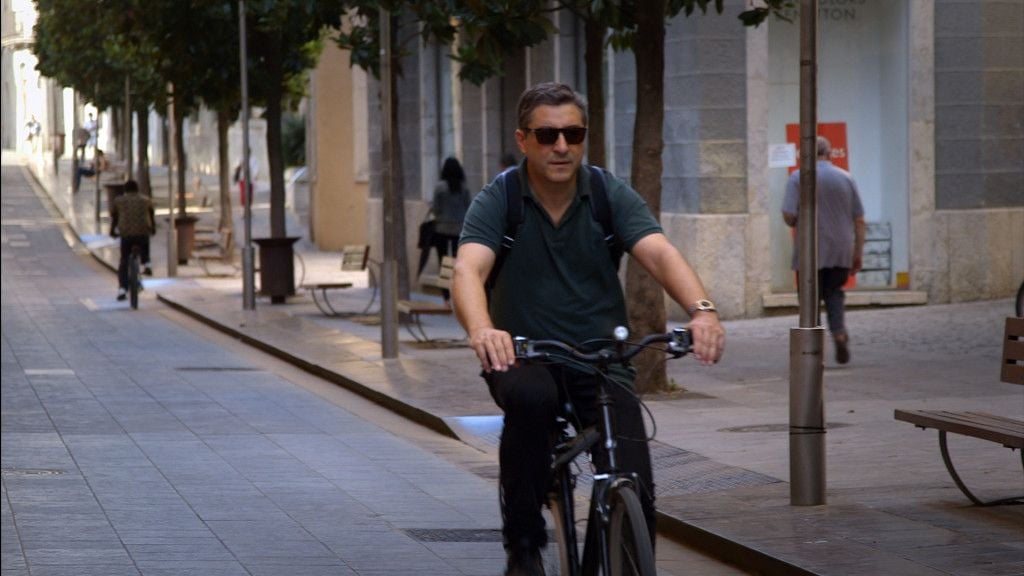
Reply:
x=559, y=281
x=132, y=219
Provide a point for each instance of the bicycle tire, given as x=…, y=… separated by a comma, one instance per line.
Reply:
x=630, y=550
x=562, y=518
x=133, y=280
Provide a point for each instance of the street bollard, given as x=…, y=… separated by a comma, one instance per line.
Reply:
x=806, y=416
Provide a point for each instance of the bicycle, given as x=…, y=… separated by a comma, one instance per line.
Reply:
x=617, y=540
x=134, y=277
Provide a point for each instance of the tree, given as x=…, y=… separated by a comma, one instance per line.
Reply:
x=646, y=19
x=284, y=42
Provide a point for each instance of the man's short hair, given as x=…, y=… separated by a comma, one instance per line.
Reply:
x=131, y=186
x=824, y=147
x=548, y=94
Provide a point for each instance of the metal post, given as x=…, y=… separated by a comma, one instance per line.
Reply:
x=248, y=264
x=95, y=159
x=172, y=233
x=389, y=280
x=806, y=343
x=127, y=128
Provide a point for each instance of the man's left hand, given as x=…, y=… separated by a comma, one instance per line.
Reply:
x=708, y=337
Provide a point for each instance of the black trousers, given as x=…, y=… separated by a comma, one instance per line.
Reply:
x=830, y=284
x=444, y=245
x=126, y=251
x=532, y=396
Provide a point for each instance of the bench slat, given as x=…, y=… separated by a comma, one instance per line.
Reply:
x=1012, y=370
x=1006, y=431
x=423, y=307
x=326, y=286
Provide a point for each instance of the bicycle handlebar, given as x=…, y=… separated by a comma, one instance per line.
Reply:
x=679, y=340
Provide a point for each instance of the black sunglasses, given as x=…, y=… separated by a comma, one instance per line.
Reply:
x=548, y=136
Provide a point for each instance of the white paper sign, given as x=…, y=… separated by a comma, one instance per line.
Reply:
x=781, y=155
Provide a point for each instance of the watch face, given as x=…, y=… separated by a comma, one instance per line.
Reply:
x=704, y=306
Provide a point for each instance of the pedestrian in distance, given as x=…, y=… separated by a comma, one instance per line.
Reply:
x=132, y=218
x=33, y=129
x=447, y=211
x=559, y=281
x=841, y=231
x=239, y=177
x=98, y=166
x=91, y=128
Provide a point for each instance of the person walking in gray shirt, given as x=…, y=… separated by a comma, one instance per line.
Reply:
x=840, y=237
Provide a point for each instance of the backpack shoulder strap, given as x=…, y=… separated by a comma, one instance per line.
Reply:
x=601, y=210
x=514, y=216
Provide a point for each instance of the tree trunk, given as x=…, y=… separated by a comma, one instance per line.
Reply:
x=115, y=129
x=145, y=187
x=179, y=151
x=275, y=90
x=224, y=169
x=398, y=209
x=644, y=295
x=594, y=60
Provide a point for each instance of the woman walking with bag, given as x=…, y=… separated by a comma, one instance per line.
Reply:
x=451, y=199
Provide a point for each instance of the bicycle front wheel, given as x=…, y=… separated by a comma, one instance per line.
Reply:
x=629, y=543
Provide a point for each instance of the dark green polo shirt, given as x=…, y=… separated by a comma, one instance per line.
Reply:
x=558, y=282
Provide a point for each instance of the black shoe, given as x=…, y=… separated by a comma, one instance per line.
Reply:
x=843, y=350
x=147, y=271
x=525, y=564
x=121, y=295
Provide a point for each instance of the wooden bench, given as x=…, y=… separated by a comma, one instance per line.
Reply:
x=413, y=310
x=208, y=237
x=999, y=429
x=354, y=258
x=222, y=252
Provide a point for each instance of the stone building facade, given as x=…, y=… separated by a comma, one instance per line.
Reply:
x=924, y=99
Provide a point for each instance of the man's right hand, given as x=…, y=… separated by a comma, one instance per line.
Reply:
x=494, y=349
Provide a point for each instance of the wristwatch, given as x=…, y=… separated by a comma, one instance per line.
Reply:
x=702, y=305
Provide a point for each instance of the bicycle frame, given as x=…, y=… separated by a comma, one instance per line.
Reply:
x=596, y=539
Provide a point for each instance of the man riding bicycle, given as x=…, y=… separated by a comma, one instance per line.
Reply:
x=558, y=281
x=132, y=218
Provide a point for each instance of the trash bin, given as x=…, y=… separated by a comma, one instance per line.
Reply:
x=277, y=267
x=186, y=232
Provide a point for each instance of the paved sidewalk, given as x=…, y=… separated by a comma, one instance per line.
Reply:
x=721, y=452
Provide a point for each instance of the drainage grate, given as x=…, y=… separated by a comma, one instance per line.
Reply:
x=49, y=372
x=455, y=534
x=461, y=534
x=217, y=369
x=775, y=427
x=678, y=471
x=30, y=472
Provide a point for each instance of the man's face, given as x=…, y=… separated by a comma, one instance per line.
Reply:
x=555, y=162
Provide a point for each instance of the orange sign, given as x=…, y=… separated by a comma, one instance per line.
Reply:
x=836, y=134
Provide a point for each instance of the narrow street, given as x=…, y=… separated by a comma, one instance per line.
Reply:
x=141, y=442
